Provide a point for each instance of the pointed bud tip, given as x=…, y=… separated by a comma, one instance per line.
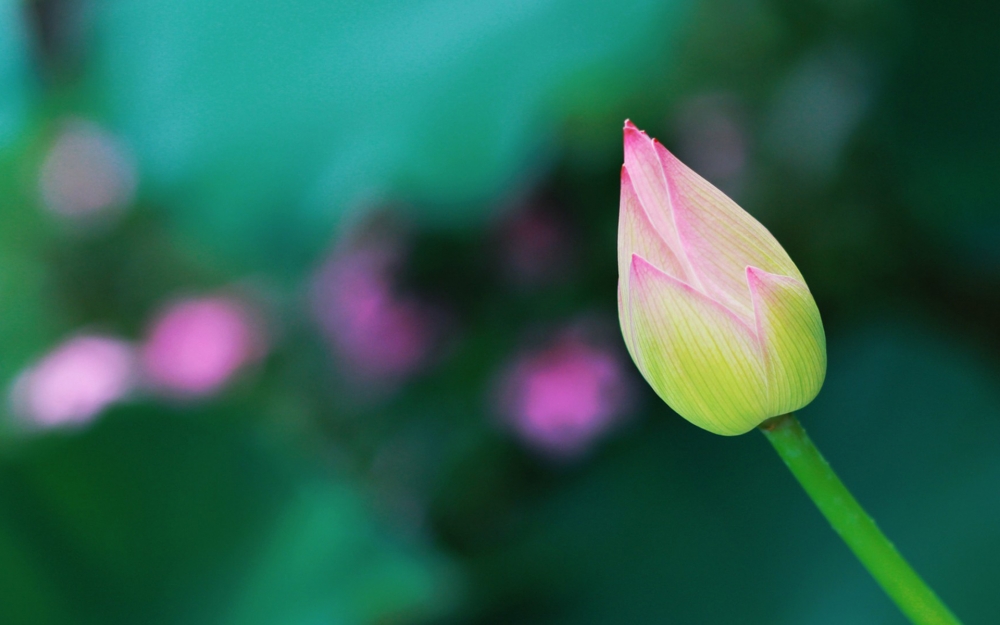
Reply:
x=631, y=130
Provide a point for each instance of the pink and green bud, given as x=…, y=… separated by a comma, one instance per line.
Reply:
x=714, y=312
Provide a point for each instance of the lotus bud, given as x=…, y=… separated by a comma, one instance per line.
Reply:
x=714, y=312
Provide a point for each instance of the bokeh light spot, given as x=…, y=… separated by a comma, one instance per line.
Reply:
x=561, y=399
x=87, y=172
x=196, y=345
x=75, y=381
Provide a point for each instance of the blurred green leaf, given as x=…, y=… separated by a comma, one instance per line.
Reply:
x=26, y=321
x=14, y=73
x=29, y=318
x=325, y=563
x=157, y=517
x=261, y=124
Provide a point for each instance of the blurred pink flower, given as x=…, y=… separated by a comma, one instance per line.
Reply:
x=562, y=399
x=376, y=332
x=86, y=172
x=196, y=345
x=75, y=381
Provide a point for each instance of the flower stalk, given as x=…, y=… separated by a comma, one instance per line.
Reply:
x=903, y=585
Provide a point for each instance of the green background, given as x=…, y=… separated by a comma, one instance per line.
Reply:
x=263, y=130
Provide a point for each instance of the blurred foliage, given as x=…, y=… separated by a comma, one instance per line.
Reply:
x=862, y=133
x=28, y=317
x=15, y=77
x=25, y=317
x=261, y=127
x=158, y=517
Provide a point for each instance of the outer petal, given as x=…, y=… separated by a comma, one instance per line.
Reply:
x=720, y=238
x=637, y=235
x=698, y=356
x=791, y=334
x=625, y=321
x=649, y=184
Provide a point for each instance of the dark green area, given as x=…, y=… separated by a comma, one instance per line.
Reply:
x=262, y=131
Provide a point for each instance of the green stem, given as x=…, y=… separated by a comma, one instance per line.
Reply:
x=913, y=596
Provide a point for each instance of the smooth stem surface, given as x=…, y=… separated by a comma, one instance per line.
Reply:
x=852, y=523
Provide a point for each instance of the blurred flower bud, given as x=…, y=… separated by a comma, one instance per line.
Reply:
x=714, y=313
x=75, y=381
x=377, y=333
x=86, y=173
x=562, y=399
x=196, y=345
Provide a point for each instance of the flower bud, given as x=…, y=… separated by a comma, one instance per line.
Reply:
x=714, y=313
